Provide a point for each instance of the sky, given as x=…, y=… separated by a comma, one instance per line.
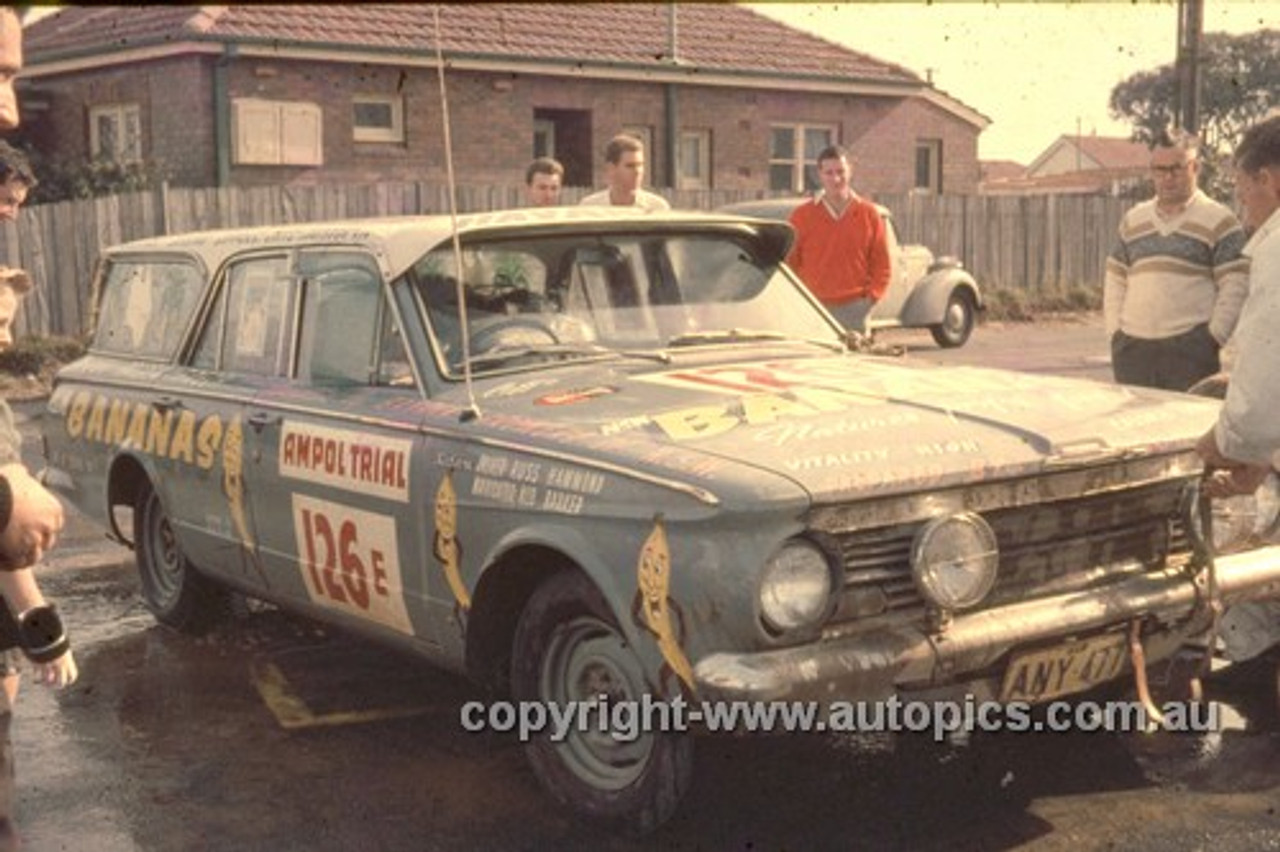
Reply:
x=1037, y=70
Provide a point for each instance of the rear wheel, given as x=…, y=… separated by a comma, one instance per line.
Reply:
x=568, y=648
x=175, y=592
x=957, y=321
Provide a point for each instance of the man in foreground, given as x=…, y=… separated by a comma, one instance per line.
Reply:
x=1242, y=447
x=30, y=517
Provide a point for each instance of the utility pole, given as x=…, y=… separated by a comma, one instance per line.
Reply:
x=1190, y=30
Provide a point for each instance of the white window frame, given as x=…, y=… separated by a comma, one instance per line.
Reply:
x=367, y=133
x=276, y=133
x=128, y=137
x=931, y=148
x=694, y=175
x=798, y=161
x=544, y=137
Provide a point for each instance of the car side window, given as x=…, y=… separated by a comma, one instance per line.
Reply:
x=146, y=307
x=248, y=329
x=349, y=335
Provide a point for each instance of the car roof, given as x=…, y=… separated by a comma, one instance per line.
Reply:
x=400, y=241
x=774, y=208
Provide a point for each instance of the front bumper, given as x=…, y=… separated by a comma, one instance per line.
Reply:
x=875, y=665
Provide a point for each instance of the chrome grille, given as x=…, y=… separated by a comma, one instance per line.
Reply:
x=1045, y=548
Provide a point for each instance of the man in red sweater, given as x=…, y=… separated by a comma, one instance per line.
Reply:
x=840, y=251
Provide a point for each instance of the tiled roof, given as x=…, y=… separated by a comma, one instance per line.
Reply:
x=1112, y=152
x=717, y=37
x=1001, y=169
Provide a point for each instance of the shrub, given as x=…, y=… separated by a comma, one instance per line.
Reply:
x=1016, y=304
x=31, y=355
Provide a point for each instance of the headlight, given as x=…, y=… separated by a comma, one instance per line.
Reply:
x=1238, y=521
x=795, y=589
x=954, y=560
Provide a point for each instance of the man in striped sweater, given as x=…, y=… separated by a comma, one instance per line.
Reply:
x=1176, y=279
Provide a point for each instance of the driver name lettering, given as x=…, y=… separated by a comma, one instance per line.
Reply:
x=533, y=485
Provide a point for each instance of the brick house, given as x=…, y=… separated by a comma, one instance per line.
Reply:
x=270, y=94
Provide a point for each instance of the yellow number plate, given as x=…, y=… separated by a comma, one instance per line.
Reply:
x=1064, y=669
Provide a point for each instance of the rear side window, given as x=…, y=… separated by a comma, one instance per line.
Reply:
x=146, y=307
x=249, y=329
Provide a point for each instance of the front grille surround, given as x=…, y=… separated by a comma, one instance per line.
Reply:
x=1046, y=547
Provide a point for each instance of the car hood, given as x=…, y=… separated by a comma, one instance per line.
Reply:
x=846, y=426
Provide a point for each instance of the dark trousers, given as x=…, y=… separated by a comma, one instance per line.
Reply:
x=1172, y=363
x=8, y=795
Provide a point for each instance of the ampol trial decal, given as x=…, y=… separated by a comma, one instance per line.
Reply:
x=349, y=561
x=355, y=461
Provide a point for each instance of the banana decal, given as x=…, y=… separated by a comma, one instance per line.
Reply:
x=656, y=610
x=233, y=481
x=446, y=541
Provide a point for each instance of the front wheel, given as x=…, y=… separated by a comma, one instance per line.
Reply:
x=173, y=590
x=568, y=648
x=957, y=321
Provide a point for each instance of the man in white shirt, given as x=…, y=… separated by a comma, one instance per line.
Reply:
x=1243, y=446
x=624, y=172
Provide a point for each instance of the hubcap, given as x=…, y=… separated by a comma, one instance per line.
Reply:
x=589, y=667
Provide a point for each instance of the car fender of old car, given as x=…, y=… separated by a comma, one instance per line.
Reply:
x=937, y=294
x=946, y=300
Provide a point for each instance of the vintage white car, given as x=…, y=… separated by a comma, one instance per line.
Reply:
x=590, y=455
x=936, y=293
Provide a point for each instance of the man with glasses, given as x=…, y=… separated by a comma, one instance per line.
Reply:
x=1176, y=279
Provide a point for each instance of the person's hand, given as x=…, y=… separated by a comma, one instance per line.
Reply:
x=35, y=522
x=1207, y=447
x=1234, y=480
x=58, y=673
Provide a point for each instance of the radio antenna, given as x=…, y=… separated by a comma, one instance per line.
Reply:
x=473, y=409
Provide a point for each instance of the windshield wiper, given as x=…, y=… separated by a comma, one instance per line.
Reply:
x=731, y=335
x=744, y=335
x=560, y=350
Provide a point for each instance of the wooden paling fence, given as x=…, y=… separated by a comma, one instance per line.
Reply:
x=1039, y=243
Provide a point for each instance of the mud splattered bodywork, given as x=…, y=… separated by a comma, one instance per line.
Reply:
x=593, y=453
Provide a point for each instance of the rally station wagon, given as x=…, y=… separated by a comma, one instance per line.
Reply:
x=593, y=453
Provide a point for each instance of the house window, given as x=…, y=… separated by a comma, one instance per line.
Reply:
x=276, y=133
x=793, y=155
x=115, y=133
x=695, y=159
x=377, y=118
x=929, y=166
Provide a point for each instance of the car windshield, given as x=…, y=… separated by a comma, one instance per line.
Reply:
x=544, y=298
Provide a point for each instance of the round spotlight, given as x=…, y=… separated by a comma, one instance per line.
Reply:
x=954, y=560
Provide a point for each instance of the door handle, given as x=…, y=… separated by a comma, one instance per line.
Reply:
x=261, y=419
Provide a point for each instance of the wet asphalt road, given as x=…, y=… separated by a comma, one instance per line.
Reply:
x=272, y=734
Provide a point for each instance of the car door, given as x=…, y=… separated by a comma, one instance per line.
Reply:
x=240, y=346
x=330, y=455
